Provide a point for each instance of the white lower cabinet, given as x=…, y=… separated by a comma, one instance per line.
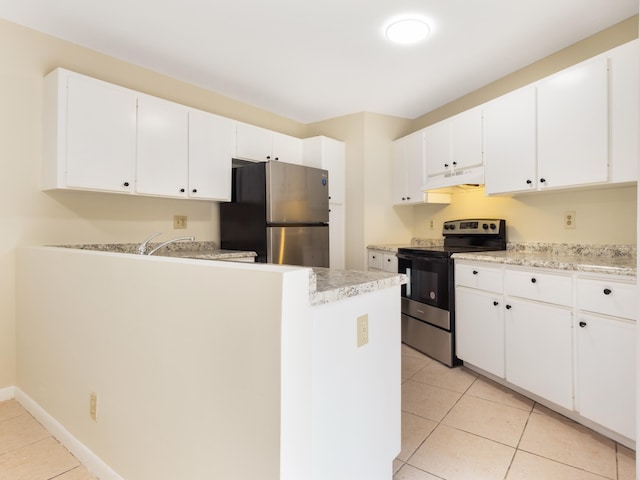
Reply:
x=382, y=261
x=606, y=372
x=480, y=329
x=538, y=348
x=566, y=337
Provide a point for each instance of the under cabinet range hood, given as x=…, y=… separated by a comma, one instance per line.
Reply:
x=465, y=176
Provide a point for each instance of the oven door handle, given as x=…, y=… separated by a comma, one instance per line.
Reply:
x=407, y=271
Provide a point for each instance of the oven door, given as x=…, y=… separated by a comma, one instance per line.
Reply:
x=428, y=279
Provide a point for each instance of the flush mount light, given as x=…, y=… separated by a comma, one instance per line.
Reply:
x=407, y=30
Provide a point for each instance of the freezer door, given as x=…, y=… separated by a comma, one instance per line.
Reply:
x=296, y=194
x=307, y=246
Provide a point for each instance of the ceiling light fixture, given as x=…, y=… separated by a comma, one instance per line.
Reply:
x=407, y=30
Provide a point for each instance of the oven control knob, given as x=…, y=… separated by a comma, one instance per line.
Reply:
x=492, y=226
x=485, y=226
x=452, y=227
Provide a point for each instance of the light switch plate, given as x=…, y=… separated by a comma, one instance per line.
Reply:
x=363, y=330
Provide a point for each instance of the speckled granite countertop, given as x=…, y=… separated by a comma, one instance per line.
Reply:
x=333, y=285
x=198, y=250
x=607, y=259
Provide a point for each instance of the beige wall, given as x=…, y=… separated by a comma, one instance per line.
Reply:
x=602, y=216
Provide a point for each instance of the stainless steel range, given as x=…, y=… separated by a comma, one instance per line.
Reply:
x=428, y=299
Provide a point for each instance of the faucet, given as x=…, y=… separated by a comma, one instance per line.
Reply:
x=142, y=248
x=189, y=239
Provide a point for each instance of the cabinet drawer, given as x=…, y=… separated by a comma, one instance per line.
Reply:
x=480, y=277
x=544, y=287
x=390, y=263
x=375, y=259
x=607, y=297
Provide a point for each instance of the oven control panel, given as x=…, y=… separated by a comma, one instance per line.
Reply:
x=476, y=226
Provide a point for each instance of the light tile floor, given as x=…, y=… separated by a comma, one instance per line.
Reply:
x=29, y=452
x=458, y=425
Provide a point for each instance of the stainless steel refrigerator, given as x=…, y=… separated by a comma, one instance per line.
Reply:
x=280, y=211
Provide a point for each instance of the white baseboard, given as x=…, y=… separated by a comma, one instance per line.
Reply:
x=90, y=460
x=7, y=393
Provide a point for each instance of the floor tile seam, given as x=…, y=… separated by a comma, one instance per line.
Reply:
x=499, y=403
x=13, y=417
x=425, y=471
x=582, y=469
x=477, y=435
x=24, y=445
x=65, y=472
x=441, y=387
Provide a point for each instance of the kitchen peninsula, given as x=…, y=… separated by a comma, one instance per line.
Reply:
x=200, y=364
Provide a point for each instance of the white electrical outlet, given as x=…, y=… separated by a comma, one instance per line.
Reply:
x=93, y=406
x=363, y=330
x=179, y=221
x=570, y=220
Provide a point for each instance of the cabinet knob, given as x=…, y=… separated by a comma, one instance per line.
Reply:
x=508, y=307
x=408, y=198
x=126, y=184
x=529, y=182
x=195, y=190
x=542, y=180
x=475, y=272
x=182, y=190
x=582, y=324
x=329, y=197
x=268, y=157
x=388, y=259
x=446, y=165
x=455, y=163
x=403, y=199
x=495, y=304
x=606, y=291
x=277, y=158
x=533, y=280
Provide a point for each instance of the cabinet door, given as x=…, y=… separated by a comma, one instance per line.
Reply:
x=466, y=139
x=162, y=148
x=539, y=350
x=480, y=329
x=100, y=147
x=374, y=259
x=286, y=148
x=210, y=151
x=333, y=161
x=253, y=143
x=414, y=165
x=336, y=237
x=399, y=172
x=625, y=76
x=573, y=127
x=606, y=372
x=437, y=147
x=510, y=142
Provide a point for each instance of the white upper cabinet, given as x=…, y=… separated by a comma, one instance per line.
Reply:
x=573, y=126
x=624, y=75
x=259, y=144
x=510, y=142
x=89, y=134
x=163, y=147
x=183, y=152
x=408, y=170
x=453, y=145
x=210, y=152
x=328, y=154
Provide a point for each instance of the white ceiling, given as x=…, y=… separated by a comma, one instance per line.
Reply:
x=310, y=61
